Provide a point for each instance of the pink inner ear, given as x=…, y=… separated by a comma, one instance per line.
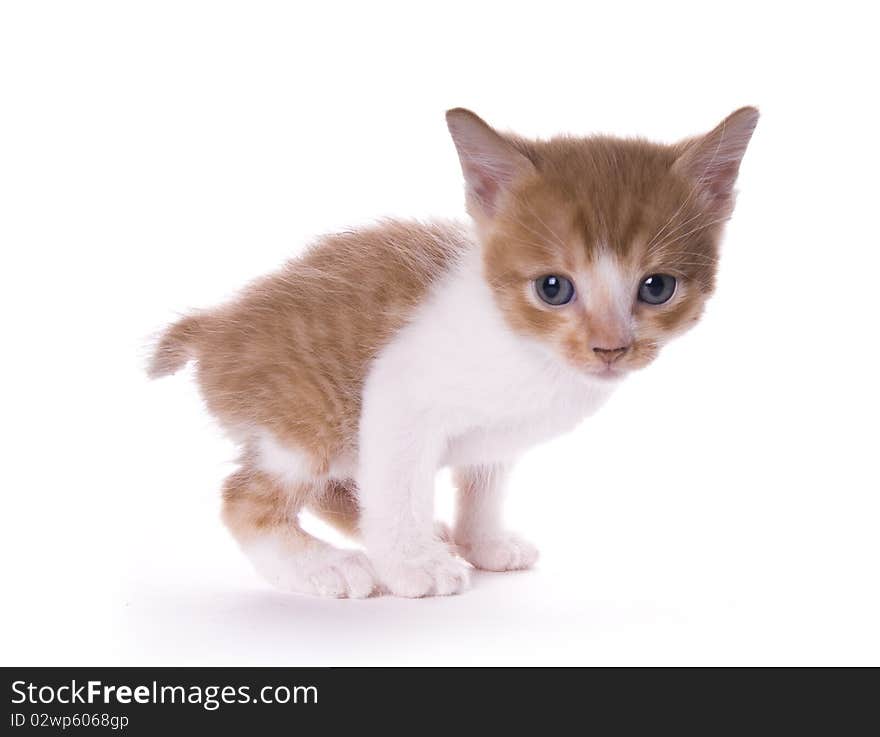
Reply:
x=489, y=162
x=486, y=190
x=713, y=171
x=719, y=180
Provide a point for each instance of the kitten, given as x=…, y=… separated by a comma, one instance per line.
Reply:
x=356, y=371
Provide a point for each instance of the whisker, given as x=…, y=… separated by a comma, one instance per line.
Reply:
x=693, y=257
x=671, y=233
x=700, y=180
x=550, y=230
x=542, y=246
x=535, y=233
x=673, y=216
x=703, y=227
x=688, y=263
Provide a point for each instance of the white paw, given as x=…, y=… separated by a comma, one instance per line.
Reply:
x=317, y=570
x=502, y=553
x=434, y=572
x=351, y=575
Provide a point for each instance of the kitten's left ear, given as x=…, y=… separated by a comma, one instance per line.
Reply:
x=489, y=162
x=712, y=161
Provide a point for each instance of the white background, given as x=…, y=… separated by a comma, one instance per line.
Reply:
x=721, y=509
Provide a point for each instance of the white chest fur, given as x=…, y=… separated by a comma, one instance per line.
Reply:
x=461, y=373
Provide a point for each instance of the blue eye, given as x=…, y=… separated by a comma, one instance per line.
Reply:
x=554, y=290
x=657, y=289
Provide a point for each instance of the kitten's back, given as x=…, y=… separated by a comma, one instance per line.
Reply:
x=289, y=354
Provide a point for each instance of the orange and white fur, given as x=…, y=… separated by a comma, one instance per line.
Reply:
x=355, y=372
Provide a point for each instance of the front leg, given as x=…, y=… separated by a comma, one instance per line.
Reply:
x=398, y=464
x=479, y=533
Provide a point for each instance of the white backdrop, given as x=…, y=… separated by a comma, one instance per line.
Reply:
x=721, y=509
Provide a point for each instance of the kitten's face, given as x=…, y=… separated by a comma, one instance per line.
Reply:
x=601, y=249
x=602, y=273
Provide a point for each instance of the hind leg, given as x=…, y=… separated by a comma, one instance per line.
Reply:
x=262, y=515
x=336, y=503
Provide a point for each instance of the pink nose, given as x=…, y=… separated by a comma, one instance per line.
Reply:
x=610, y=355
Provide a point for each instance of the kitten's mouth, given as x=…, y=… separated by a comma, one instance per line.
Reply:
x=608, y=373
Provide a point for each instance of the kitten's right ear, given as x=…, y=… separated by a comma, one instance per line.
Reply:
x=489, y=162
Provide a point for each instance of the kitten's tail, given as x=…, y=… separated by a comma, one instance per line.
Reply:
x=175, y=347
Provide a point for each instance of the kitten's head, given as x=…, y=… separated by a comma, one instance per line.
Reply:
x=602, y=248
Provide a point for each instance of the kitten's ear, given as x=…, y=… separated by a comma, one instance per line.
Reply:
x=489, y=162
x=712, y=161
